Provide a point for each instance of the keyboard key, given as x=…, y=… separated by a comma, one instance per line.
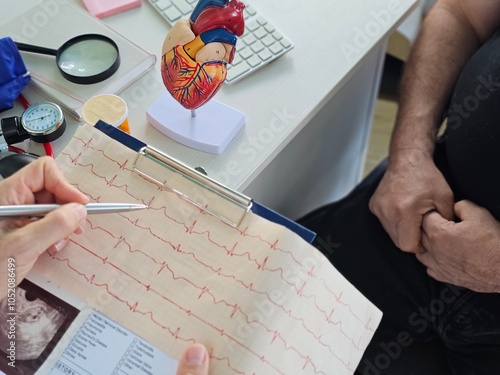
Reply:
x=265, y=54
x=163, y=4
x=261, y=21
x=260, y=33
x=285, y=43
x=184, y=7
x=254, y=60
x=269, y=27
x=250, y=10
x=276, y=48
x=257, y=46
x=267, y=40
x=236, y=70
x=246, y=52
x=248, y=39
x=172, y=14
x=252, y=26
x=277, y=35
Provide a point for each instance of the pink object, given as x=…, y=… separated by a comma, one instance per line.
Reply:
x=104, y=8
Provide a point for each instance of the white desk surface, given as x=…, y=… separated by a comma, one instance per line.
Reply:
x=281, y=98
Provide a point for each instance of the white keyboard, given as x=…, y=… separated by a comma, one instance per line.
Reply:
x=260, y=44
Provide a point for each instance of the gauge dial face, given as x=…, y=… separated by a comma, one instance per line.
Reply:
x=42, y=118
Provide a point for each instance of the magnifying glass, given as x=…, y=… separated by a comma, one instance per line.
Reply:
x=85, y=59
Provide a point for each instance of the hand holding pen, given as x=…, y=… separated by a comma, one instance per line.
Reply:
x=23, y=241
x=38, y=190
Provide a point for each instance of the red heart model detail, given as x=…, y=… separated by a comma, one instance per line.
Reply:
x=228, y=18
x=192, y=83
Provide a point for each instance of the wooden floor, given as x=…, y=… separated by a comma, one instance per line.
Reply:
x=383, y=123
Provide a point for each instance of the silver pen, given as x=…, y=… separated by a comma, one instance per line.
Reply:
x=38, y=210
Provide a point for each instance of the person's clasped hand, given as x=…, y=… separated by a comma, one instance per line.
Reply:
x=464, y=253
x=411, y=187
x=24, y=240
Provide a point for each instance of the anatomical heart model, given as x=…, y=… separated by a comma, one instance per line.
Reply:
x=196, y=51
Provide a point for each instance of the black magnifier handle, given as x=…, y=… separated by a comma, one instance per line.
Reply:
x=36, y=49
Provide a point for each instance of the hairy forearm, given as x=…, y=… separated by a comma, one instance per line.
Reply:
x=444, y=45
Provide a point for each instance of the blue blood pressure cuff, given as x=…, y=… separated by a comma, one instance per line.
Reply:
x=13, y=73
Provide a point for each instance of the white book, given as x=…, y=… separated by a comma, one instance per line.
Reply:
x=44, y=25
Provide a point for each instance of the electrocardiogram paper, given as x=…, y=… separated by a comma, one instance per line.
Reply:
x=263, y=300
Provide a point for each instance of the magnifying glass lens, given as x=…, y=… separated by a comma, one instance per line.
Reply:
x=87, y=58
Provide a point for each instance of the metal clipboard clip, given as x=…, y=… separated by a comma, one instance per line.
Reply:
x=189, y=184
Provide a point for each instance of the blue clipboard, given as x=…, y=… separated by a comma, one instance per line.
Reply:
x=242, y=201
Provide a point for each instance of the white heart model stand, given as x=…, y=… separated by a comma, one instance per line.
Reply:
x=211, y=130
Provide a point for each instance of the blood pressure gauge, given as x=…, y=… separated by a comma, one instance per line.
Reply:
x=41, y=122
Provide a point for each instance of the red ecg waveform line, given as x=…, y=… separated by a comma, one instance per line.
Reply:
x=231, y=250
x=272, y=245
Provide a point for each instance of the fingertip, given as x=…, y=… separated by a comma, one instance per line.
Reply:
x=430, y=214
x=59, y=245
x=72, y=194
x=408, y=245
x=196, y=355
x=81, y=227
x=194, y=361
x=462, y=206
x=79, y=196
